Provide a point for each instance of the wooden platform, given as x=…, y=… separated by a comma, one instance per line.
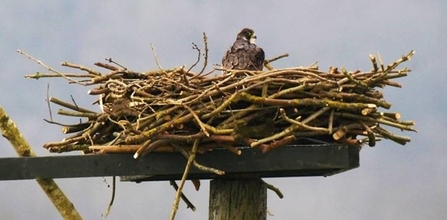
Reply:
x=289, y=161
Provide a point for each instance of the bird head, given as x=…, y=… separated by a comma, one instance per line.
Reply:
x=247, y=34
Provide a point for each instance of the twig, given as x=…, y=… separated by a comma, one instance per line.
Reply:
x=49, y=75
x=331, y=121
x=76, y=66
x=205, y=62
x=196, y=164
x=109, y=207
x=48, y=102
x=285, y=141
x=401, y=60
x=182, y=182
x=199, y=122
x=77, y=114
x=289, y=130
x=349, y=76
x=110, y=60
x=300, y=124
x=106, y=66
x=374, y=63
x=70, y=106
x=184, y=198
x=396, y=138
x=274, y=189
x=277, y=58
x=154, y=52
x=199, y=54
x=48, y=67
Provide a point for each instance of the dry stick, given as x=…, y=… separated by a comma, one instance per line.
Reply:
x=277, y=58
x=63, y=142
x=349, y=76
x=285, y=141
x=79, y=137
x=77, y=114
x=222, y=107
x=155, y=145
x=76, y=66
x=378, y=120
x=69, y=148
x=142, y=148
x=23, y=149
x=149, y=133
x=106, y=66
x=184, y=198
x=199, y=54
x=400, y=60
x=300, y=124
x=303, y=102
x=391, y=83
x=274, y=189
x=215, y=130
x=187, y=138
x=50, y=75
x=156, y=57
x=212, y=92
x=205, y=62
x=374, y=63
x=70, y=106
x=110, y=60
x=331, y=121
x=353, y=97
x=109, y=207
x=382, y=67
x=254, y=106
x=182, y=182
x=199, y=122
x=396, y=138
x=389, y=68
x=289, y=130
x=370, y=133
x=267, y=62
x=130, y=149
x=208, y=169
x=143, y=122
x=121, y=149
x=66, y=129
x=207, y=92
x=196, y=164
x=103, y=78
x=48, y=102
x=400, y=73
x=48, y=67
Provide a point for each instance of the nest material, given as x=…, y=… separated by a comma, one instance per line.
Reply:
x=168, y=110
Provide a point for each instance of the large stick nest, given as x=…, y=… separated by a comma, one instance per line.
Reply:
x=169, y=109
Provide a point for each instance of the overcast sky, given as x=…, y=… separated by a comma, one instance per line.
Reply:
x=392, y=182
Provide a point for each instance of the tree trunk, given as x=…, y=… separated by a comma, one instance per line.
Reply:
x=237, y=199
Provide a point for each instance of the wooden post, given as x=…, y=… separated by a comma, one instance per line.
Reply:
x=237, y=199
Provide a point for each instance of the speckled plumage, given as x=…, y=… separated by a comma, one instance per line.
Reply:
x=244, y=54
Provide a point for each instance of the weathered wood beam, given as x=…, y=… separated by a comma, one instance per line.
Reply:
x=297, y=160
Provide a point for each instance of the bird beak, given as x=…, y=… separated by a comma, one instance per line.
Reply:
x=253, y=38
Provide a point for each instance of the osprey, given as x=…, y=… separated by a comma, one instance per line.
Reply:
x=244, y=54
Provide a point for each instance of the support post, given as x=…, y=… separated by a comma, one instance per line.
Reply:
x=237, y=199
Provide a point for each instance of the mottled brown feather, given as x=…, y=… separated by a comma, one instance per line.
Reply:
x=244, y=55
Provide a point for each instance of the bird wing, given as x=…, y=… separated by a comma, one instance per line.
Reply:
x=244, y=56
